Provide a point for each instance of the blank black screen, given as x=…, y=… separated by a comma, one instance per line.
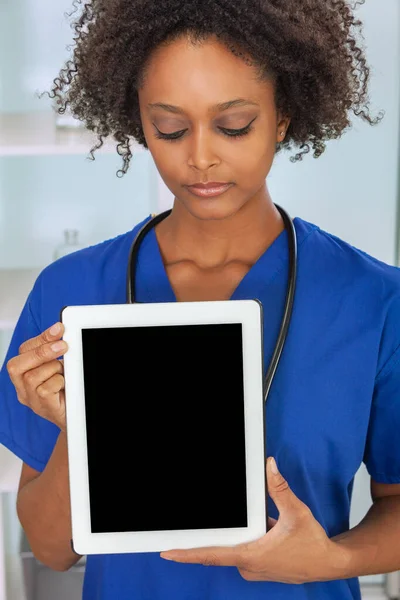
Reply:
x=165, y=427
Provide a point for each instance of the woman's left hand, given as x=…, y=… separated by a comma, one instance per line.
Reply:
x=295, y=550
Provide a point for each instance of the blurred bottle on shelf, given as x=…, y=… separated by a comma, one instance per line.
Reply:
x=70, y=244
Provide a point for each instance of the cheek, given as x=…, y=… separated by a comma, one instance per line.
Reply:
x=169, y=161
x=251, y=162
x=266, y=153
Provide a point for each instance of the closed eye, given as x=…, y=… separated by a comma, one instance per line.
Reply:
x=232, y=133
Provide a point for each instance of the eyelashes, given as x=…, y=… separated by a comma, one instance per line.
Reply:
x=231, y=133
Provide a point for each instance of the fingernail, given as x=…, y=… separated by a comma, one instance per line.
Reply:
x=58, y=346
x=274, y=467
x=55, y=329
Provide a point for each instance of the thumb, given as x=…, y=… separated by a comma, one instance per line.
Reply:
x=287, y=503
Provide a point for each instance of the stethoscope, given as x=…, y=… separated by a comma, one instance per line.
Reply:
x=291, y=285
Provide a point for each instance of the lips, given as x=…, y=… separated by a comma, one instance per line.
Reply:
x=210, y=184
x=209, y=190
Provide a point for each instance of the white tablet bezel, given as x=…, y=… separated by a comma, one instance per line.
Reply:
x=76, y=318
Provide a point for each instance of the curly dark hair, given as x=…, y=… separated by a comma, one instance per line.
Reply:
x=309, y=47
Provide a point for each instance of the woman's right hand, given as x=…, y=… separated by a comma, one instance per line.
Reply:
x=38, y=376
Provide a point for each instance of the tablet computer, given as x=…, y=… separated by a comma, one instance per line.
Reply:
x=165, y=425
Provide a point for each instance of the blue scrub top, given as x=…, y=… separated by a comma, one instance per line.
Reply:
x=334, y=402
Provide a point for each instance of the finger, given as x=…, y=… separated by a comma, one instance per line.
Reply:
x=290, y=507
x=21, y=364
x=34, y=358
x=35, y=377
x=50, y=400
x=51, y=334
x=212, y=557
x=51, y=387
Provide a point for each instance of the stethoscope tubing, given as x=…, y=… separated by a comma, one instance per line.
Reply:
x=290, y=290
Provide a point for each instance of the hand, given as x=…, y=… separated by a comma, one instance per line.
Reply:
x=38, y=376
x=295, y=550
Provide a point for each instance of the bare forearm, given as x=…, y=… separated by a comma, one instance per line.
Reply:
x=373, y=546
x=44, y=511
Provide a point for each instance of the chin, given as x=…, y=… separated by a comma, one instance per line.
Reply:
x=212, y=213
x=212, y=209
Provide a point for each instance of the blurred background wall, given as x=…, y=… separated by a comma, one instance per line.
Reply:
x=48, y=185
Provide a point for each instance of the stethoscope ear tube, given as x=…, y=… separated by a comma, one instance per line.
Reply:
x=290, y=292
x=134, y=251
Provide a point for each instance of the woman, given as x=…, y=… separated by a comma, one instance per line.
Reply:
x=214, y=89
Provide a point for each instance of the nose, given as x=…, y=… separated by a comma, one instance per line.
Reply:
x=202, y=153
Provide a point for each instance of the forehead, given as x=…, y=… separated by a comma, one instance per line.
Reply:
x=202, y=74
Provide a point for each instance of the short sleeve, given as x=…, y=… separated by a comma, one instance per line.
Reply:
x=27, y=435
x=382, y=451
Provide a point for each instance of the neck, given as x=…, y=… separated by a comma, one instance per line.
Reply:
x=214, y=243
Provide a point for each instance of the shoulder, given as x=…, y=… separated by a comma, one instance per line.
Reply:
x=355, y=288
x=343, y=263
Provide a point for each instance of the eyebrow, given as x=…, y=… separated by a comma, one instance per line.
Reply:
x=216, y=108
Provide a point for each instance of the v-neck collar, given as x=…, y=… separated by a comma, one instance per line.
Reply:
x=152, y=272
